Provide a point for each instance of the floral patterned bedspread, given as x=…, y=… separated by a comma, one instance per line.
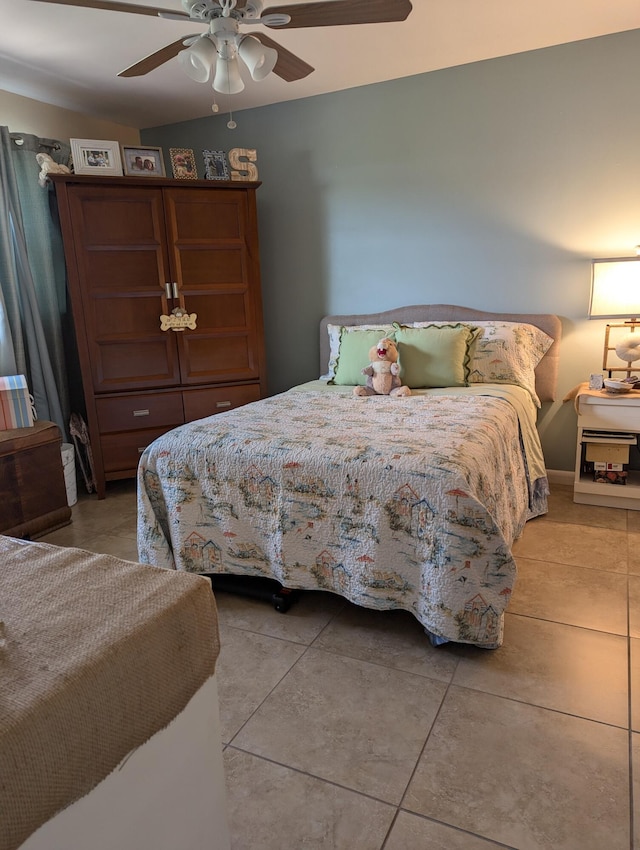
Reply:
x=407, y=503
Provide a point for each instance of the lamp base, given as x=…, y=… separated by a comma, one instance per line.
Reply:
x=610, y=348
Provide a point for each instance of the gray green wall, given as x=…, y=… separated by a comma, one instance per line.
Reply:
x=490, y=185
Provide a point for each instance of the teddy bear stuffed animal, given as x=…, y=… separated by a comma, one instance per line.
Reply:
x=383, y=372
x=48, y=166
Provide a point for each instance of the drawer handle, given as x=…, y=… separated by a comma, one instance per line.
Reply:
x=223, y=404
x=141, y=449
x=142, y=412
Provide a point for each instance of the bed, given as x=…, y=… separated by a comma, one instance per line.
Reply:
x=410, y=503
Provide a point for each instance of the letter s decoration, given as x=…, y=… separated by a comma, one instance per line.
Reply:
x=242, y=162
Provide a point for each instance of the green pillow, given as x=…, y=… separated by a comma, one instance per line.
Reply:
x=353, y=355
x=435, y=356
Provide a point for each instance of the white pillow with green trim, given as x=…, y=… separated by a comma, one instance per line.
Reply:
x=353, y=354
x=335, y=332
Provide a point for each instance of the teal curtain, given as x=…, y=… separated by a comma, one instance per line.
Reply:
x=34, y=315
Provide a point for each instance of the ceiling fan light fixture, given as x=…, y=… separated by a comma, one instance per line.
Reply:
x=259, y=59
x=196, y=61
x=227, y=79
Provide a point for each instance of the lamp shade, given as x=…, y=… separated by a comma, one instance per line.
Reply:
x=259, y=59
x=615, y=288
x=228, y=79
x=197, y=60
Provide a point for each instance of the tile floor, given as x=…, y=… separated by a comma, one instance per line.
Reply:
x=344, y=729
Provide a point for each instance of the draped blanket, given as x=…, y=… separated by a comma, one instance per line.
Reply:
x=392, y=503
x=96, y=656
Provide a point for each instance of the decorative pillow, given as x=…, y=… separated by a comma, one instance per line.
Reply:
x=435, y=355
x=335, y=332
x=353, y=355
x=508, y=353
x=501, y=353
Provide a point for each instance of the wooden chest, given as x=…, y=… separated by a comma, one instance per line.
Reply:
x=33, y=495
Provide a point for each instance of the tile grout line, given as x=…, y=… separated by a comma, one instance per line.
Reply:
x=281, y=679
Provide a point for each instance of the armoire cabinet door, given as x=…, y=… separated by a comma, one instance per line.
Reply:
x=214, y=258
x=123, y=266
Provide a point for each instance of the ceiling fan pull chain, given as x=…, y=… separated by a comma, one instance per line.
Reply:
x=231, y=124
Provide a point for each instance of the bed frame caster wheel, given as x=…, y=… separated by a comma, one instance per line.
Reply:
x=282, y=600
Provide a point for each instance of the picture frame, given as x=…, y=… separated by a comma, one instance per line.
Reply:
x=215, y=165
x=183, y=164
x=143, y=161
x=98, y=157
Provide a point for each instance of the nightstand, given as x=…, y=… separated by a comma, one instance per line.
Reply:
x=606, y=419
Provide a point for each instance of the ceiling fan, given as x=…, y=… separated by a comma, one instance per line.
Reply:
x=216, y=51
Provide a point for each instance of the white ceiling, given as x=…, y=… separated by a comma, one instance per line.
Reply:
x=70, y=56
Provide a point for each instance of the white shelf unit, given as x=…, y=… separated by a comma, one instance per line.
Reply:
x=613, y=419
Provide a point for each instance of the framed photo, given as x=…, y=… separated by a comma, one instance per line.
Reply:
x=183, y=164
x=215, y=165
x=96, y=156
x=143, y=161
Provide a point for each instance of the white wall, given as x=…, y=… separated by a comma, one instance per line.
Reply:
x=24, y=115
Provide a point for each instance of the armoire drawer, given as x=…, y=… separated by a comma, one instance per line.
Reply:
x=199, y=403
x=133, y=412
x=121, y=452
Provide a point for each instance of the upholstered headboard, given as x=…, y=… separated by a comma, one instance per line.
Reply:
x=546, y=371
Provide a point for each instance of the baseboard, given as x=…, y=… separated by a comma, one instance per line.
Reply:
x=560, y=476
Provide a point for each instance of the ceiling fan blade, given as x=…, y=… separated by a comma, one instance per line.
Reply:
x=107, y=5
x=289, y=67
x=154, y=60
x=334, y=13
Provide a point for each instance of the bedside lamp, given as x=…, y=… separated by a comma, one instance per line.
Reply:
x=615, y=294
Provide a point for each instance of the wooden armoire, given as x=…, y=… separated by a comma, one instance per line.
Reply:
x=137, y=249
